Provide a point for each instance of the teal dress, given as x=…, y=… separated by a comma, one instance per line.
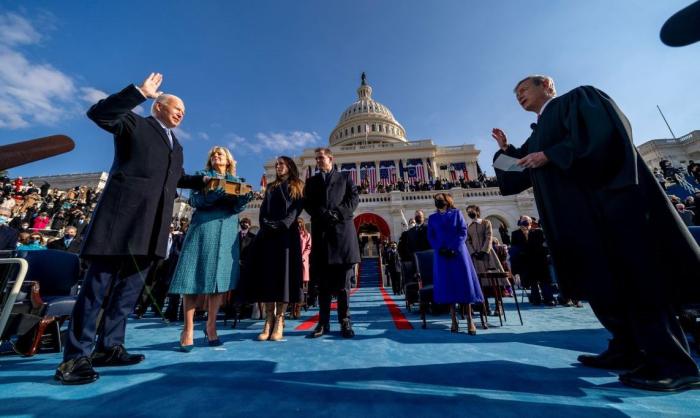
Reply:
x=209, y=261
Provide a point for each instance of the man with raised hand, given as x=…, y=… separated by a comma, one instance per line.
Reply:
x=129, y=228
x=614, y=237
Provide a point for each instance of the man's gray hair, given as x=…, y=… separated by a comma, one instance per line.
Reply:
x=537, y=80
x=161, y=99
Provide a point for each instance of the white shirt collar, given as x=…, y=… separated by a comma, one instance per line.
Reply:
x=165, y=128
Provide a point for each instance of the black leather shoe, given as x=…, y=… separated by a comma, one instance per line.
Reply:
x=346, y=330
x=116, y=356
x=319, y=331
x=644, y=378
x=77, y=371
x=613, y=360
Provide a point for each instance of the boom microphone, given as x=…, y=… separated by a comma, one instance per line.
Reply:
x=24, y=152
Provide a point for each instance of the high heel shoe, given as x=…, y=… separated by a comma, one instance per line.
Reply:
x=454, y=327
x=472, y=330
x=212, y=343
x=185, y=348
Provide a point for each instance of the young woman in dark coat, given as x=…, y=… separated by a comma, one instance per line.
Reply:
x=279, y=248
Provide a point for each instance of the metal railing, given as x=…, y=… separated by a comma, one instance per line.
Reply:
x=14, y=292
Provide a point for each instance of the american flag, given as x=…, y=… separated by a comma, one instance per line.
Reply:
x=387, y=172
x=368, y=171
x=372, y=177
x=458, y=171
x=416, y=171
x=350, y=168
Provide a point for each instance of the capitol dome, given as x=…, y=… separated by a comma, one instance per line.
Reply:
x=366, y=121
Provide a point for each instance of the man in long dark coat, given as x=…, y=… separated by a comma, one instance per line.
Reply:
x=330, y=197
x=635, y=260
x=129, y=228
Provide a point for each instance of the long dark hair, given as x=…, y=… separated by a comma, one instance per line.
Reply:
x=296, y=186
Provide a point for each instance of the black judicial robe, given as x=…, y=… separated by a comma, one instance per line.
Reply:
x=609, y=225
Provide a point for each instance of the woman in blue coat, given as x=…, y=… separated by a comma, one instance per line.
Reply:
x=454, y=278
x=209, y=261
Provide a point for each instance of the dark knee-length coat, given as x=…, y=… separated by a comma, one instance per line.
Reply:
x=134, y=212
x=279, y=268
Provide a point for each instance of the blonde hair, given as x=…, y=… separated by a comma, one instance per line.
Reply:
x=230, y=162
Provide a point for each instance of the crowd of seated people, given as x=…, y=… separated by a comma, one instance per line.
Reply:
x=420, y=185
x=43, y=217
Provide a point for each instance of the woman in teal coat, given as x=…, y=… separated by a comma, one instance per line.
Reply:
x=209, y=261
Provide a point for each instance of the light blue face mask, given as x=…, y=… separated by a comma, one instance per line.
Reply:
x=3, y=220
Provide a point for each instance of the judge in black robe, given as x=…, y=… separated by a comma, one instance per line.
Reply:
x=614, y=237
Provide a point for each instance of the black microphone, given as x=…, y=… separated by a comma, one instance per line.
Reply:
x=533, y=126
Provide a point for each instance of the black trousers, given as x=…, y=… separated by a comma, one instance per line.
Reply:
x=333, y=280
x=112, y=284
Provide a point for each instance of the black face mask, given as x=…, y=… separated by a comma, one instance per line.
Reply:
x=418, y=220
x=471, y=215
x=245, y=227
x=440, y=204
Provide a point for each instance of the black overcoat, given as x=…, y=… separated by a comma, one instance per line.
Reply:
x=279, y=267
x=333, y=243
x=134, y=212
x=609, y=225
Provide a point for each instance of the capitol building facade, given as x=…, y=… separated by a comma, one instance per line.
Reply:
x=372, y=146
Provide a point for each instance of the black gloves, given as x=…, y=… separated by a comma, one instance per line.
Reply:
x=446, y=252
x=272, y=225
x=213, y=196
x=480, y=255
x=331, y=217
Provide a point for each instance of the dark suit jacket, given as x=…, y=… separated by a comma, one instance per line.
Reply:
x=415, y=239
x=529, y=256
x=245, y=245
x=333, y=243
x=133, y=214
x=8, y=238
x=60, y=244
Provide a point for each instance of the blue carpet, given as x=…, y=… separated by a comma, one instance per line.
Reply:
x=513, y=370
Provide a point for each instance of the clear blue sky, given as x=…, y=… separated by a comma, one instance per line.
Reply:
x=256, y=73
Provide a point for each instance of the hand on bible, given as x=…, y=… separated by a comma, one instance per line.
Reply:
x=150, y=85
x=500, y=138
x=534, y=160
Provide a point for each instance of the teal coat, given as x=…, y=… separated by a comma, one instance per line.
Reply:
x=209, y=261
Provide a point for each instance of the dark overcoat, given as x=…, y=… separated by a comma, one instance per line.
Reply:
x=134, y=212
x=279, y=266
x=609, y=225
x=336, y=242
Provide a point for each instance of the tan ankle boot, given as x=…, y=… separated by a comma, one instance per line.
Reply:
x=278, y=332
x=269, y=322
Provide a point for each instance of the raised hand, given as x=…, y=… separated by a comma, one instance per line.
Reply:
x=500, y=138
x=150, y=85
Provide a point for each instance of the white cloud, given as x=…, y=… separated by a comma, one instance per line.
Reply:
x=276, y=142
x=182, y=134
x=35, y=92
x=234, y=141
x=15, y=30
x=92, y=95
x=32, y=92
x=203, y=135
